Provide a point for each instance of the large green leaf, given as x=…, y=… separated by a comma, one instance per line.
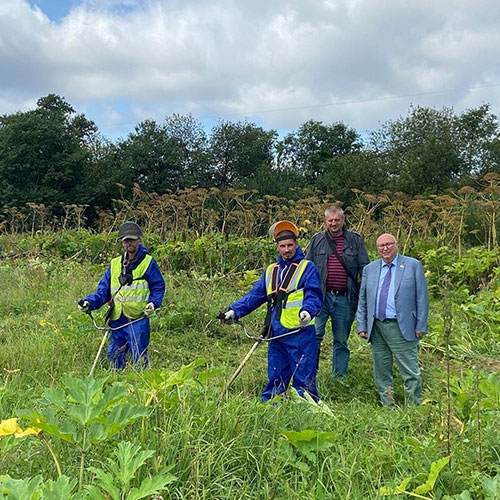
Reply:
x=309, y=441
x=48, y=423
x=129, y=458
x=394, y=490
x=20, y=489
x=491, y=487
x=59, y=489
x=151, y=486
x=436, y=468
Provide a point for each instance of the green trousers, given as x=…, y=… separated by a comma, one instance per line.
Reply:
x=388, y=343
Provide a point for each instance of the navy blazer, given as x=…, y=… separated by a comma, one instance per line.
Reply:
x=410, y=294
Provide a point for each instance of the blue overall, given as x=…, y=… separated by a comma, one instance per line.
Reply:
x=133, y=339
x=292, y=358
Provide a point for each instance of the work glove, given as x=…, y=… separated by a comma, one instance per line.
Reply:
x=84, y=305
x=304, y=318
x=150, y=307
x=229, y=316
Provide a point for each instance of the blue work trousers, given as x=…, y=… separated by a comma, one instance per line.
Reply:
x=337, y=308
x=133, y=339
x=292, y=358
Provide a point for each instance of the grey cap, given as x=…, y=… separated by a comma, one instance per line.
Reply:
x=129, y=230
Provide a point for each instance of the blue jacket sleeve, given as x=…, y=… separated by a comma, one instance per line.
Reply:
x=252, y=300
x=313, y=296
x=103, y=293
x=156, y=284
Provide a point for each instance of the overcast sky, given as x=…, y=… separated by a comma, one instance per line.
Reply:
x=276, y=63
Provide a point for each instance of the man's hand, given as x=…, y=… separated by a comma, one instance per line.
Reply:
x=150, y=308
x=363, y=335
x=229, y=316
x=84, y=305
x=419, y=334
x=304, y=319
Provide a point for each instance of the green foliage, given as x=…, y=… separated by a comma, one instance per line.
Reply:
x=237, y=449
x=35, y=488
x=308, y=442
x=97, y=412
x=116, y=481
x=20, y=489
x=165, y=386
x=422, y=489
x=43, y=153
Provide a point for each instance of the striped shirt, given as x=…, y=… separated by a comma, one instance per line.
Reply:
x=337, y=277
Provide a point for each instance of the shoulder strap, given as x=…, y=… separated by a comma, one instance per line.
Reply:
x=340, y=259
x=292, y=270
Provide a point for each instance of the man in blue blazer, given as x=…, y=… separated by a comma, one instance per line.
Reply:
x=392, y=315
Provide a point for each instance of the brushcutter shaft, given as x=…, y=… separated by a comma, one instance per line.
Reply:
x=238, y=370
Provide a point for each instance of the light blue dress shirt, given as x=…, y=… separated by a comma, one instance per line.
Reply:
x=390, y=311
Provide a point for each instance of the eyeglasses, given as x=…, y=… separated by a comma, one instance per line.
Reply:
x=387, y=245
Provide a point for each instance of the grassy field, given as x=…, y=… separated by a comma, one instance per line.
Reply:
x=346, y=447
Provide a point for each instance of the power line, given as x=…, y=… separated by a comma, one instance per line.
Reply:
x=340, y=103
x=358, y=101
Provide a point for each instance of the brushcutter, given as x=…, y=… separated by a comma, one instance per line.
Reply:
x=106, y=328
x=125, y=279
x=265, y=336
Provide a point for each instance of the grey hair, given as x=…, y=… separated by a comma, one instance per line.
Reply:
x=334, y=209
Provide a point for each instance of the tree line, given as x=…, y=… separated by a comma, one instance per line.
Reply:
x=54, y=156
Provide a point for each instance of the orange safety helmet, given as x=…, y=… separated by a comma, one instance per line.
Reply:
x=283, y=225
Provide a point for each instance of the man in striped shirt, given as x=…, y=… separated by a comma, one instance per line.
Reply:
x=340, y=256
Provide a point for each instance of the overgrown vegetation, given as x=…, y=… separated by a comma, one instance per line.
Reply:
x=51, y=157
x=98, y=434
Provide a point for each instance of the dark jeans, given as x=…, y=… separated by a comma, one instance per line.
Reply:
x=338, y=309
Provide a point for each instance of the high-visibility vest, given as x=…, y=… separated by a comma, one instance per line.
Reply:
x=287, y=293
x=130, y=299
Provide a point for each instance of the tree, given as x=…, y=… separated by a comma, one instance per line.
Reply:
x=192, y=148
x=238, y=150
x=44, y=153
x=313, y=144
x=479, y=134
x=363, y=171
x=430, y=150
x=164, y=157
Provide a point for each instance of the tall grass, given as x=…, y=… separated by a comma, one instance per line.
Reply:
x=237, y=450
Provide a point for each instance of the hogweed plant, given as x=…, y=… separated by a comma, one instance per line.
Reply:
x=87, y=413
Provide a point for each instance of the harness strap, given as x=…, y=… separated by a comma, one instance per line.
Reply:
x=282, y=294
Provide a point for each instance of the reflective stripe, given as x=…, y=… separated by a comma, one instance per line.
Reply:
x=291, y=309
x=134, y=286
x=269, y=275
x=130, y=300
x=139, y=298
x=295, y=280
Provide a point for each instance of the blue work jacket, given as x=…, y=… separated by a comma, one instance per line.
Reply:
x=152, y=275
x=309, y=281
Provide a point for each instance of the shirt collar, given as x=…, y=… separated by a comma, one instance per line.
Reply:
x=393, y=263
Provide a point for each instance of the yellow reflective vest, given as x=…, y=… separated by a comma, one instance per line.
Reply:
x=292, y=296
x=130, y=299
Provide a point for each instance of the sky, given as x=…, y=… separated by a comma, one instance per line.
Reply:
x=275, y=63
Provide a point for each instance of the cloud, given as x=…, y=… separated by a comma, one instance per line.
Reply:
x=279, y=63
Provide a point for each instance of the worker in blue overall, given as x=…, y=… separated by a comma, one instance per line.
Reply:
x=291, y=288
x=133, y=286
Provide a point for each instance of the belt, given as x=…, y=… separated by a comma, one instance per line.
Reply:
x=386, y=320
x=337, y=292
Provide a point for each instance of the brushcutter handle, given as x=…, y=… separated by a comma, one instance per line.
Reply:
x=84, y=306
x=221, y=316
